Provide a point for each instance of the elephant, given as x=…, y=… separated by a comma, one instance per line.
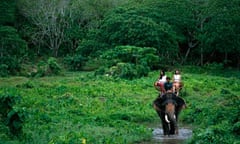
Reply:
x=168, y=107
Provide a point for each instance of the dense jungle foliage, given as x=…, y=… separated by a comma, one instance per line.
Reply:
x=83, y=70
x=152, y=33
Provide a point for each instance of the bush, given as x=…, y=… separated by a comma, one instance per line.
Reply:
x=221, y=125
x=51, y=67
x=213, y=66
x=100, y=71
x=128, y=71
x=3, y=70
x=129, y=61
x=132, y=54
x=75, y=62
x=10, y=116
x=90, y=48
x=9, y=66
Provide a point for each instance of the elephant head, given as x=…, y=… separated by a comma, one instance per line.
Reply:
x=168, y=107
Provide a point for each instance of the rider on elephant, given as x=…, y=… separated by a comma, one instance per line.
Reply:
x=159, y=84
x=177, y=82
x=168, y=85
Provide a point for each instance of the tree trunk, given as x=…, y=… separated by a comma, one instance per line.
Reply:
x=238, y=63
x=225, y=58
x=201, y=56
x=201, y=46
x=191, y=45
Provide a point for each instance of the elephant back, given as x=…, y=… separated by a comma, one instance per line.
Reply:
x=169, y=98
x=161, y=101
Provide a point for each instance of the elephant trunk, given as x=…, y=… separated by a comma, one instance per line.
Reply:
x=170, y=116
x=170, y=111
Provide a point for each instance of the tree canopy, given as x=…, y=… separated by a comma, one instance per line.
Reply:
x=182, y=32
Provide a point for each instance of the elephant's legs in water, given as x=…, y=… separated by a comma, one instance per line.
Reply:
x=175, y=125
x=164, y=124
x=176, y=128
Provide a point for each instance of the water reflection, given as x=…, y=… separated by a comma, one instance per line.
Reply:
x=158, y=137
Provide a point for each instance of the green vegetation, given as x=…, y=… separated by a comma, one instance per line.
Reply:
x=181, y=32
x=103, y=109
x=213, y=100
x=83, y=70
x=81, y=106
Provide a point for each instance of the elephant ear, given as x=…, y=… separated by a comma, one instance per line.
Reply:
x=180, y=101
x=158, y=102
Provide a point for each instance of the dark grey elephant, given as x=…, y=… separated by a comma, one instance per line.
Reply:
x=168, y=107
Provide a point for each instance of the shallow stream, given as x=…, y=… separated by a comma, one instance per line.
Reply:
x=185, y=133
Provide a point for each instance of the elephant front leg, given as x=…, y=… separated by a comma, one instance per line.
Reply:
x=175, y=128
x=176, y=132
x=166, y=130
x=165, y=125
x=176, y=124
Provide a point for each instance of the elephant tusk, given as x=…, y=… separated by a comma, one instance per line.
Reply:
x=166, y=118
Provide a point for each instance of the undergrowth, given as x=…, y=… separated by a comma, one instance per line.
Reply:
x=82, y=107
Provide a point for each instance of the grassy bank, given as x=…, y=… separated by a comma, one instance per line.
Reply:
x=79, y=107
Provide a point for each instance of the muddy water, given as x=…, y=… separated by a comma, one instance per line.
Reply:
x=185, y=133
x=158, y=137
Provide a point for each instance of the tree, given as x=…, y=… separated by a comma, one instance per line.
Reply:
x=7, y=10
x=220, y=32
x=85, y=16
x=129, y=26
x=12, y=46
x=12, y=49
x=180, y=16
x=50, y=19
x=61, y=24
x=91, y=12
